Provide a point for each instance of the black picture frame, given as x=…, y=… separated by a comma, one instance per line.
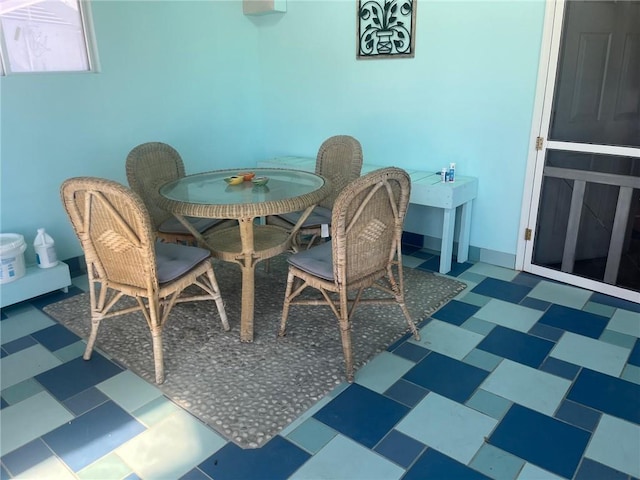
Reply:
x=385, y=29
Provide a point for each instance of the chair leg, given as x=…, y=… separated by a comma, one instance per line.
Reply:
x=399, y=297
x=158, y=360
x=218, y=299
x=285, y=308
x=345, y=335
x=95, y=324
x=412, y=326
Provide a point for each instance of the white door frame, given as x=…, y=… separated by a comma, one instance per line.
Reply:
x=547, y=70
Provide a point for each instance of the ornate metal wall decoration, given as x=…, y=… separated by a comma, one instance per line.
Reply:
x=386, y=28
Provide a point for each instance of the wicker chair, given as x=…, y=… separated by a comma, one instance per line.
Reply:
x=340, y=160
x=149, y=166
x=364, y=251
x=124, y=259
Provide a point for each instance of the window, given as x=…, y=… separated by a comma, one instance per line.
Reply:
x=46, y=36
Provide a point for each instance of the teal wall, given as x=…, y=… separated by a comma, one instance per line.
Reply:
x=466, y=97
x=178, y=72
x=227, y=90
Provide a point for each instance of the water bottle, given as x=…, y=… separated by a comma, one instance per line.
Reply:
x=452, y=172
x=45, y=250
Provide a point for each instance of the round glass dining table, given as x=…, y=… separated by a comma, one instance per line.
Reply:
x=208, y=195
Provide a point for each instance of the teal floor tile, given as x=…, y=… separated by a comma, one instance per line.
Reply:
x=497, y=463
x=312, y=435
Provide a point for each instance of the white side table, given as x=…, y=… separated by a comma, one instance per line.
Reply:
x=430, y=191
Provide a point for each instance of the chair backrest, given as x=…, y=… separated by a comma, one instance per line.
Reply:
x=340, y=160
x=148, y=166
x=114, y=229
x=367, y=222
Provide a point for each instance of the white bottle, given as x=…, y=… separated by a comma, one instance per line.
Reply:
x=45, y=250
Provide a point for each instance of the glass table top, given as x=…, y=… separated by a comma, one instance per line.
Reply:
x=210, y=188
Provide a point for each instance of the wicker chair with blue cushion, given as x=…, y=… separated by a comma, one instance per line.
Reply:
x=364, y=251
x=339, y=159
x=149, y=166
x=125, y=260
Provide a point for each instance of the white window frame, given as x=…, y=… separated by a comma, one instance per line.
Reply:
x=89, y=52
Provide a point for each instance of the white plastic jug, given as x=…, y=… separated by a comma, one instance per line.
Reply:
x=45, y=250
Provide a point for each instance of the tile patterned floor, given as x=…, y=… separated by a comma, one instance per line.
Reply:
x=517, y=378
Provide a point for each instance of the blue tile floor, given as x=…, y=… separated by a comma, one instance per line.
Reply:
x=518, y=377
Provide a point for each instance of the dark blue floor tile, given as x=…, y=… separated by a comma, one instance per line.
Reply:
x=87, y=438
x=362, y=414
x=431, y=265
x=195, y=474
x=527, y=279
x=400, y=448
x=560, y=368
x=446, y=376
x=578, y=415
x=85, y=401
x=401, y=340
x=27, y=456
x=573, y=320
x=277, y=459
x=412, y=239
x=535, y=303
x=458, y=269
x=615, y=302
x=407, y=393
x=590, y=470
x=424, y=254
x=3, y=353
x=3, y=403
x=544, y=441
x=545, y=331
x=55, y=337
x=19, y=344
x=507, y=291
x=53, y=297
x=516, y=346
x=456, y=312
x=409, y=249
x=411, y=351
x=77, y=375
x=634, y=357
x=434, y=465
x=608, y=394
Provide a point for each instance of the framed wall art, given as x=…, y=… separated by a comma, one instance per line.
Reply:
x=386, y=28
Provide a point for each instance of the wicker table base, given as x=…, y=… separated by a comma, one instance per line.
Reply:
x=247, y=244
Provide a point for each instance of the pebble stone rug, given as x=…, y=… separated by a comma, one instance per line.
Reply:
x=248, y=392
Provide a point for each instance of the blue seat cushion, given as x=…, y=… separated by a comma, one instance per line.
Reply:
x=319, y=216
x=172, y=225
x=173, y=261
x=317, y=260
